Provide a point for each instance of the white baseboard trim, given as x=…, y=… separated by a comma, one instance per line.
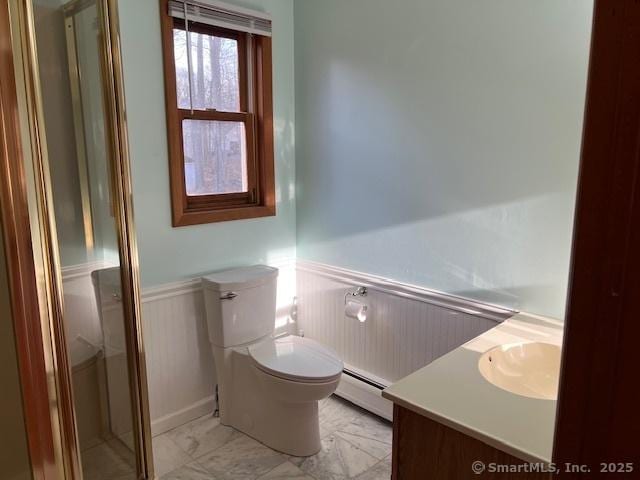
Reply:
x=185, y=415
x=365, y=396
x=406, y=290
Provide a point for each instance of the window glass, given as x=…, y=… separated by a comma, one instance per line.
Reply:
x=215, y=71
x=215, y=157
x=220, y=150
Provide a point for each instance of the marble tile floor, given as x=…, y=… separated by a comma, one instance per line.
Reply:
x=355, y=445
x=109, y=460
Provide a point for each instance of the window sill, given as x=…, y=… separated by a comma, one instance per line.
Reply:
x=184, y=219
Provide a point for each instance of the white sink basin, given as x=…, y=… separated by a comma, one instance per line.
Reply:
x=528, y=369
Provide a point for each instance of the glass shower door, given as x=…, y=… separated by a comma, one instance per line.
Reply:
x=76, y=76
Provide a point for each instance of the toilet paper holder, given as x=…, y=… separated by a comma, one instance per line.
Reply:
x=354, y=308
x=358, y=292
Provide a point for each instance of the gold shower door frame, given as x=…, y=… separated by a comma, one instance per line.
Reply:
x=45, y=248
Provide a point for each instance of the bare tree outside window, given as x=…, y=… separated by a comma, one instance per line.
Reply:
x=219, y=107
x=215, y=160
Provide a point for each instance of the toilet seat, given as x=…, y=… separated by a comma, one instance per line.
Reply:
x=296, y=359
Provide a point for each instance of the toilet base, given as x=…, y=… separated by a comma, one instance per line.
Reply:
x=279, y=413
x=297, y=433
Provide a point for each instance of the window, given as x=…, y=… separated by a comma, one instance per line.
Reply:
x=219, y=112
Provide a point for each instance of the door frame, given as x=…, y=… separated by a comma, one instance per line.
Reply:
x=30, y=314
x=597, y=414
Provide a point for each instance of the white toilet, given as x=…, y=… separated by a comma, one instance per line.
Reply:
x=268, y=387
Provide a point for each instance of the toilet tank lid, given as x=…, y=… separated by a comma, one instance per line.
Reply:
x=239, y=278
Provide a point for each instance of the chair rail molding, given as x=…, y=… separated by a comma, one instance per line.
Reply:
x=406, y=328
x=406, y=290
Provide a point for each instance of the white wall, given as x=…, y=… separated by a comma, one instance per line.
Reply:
x=405, y=329
x=437, y=142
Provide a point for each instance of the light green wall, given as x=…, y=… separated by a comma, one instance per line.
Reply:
x=93, y=115
x=58, y=116
x=437, y=144
x=437, y=141
x=169, y=254
x=60, y=132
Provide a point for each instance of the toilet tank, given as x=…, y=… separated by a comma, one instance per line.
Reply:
x=240, y=304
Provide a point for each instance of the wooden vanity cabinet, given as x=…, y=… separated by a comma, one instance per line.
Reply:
x=424, y=449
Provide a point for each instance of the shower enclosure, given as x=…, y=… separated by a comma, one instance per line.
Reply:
x=80, y=174
x=72, y=126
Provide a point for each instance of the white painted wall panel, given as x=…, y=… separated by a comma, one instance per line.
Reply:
x=180, y=367
x=400, y=335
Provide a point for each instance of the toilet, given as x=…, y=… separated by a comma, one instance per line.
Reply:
x=268, y=387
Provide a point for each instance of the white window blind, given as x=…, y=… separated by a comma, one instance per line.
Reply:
x=222, y=15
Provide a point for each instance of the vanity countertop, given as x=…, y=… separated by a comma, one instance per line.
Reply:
x=451, y=391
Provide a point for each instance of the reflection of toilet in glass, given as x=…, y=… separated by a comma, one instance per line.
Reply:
x=108, y=292
x=268, y=387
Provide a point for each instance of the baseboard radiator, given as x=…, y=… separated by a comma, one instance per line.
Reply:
x=359, y=388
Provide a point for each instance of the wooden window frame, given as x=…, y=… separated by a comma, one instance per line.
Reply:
x=255, y=113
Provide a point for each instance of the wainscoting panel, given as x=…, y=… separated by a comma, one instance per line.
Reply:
x=82, y=321
x=180, y=367
x=407, y=327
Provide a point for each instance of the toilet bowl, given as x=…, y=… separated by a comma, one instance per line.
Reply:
x=268, y=387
